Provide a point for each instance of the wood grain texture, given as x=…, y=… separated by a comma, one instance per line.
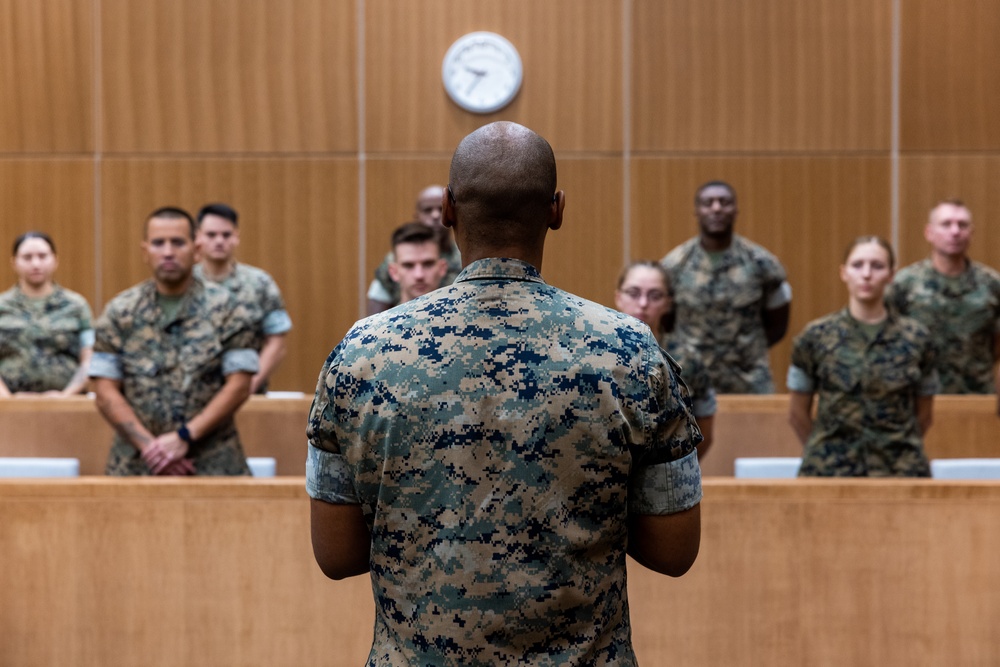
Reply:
x=585, y=255
x=47, y=76
x=771, y=75
x=805, y=210
x=927, y=179
x=571, y=51
x=220, y=572
x=826, y=574
x=298, y=221
x=197, y=76
x=55, y=196
x=949, y=86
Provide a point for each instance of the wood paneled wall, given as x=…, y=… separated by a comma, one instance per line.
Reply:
x=320, y=119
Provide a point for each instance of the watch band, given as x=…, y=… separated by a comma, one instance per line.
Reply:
x=185, y=434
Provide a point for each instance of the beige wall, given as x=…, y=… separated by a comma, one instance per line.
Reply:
x=320, y=119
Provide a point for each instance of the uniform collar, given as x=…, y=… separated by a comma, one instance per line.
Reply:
x=499, y=267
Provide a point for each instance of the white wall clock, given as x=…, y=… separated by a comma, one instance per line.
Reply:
x=482, y=72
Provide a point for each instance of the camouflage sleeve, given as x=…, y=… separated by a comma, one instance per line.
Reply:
x=665, y=476
x=895, y=294
x=802, y=370
x=777, y=291
x=236, y=334
x=930, y=382
x=86, y=324
x=276, y=319
x=328, y=475
x=106, y=360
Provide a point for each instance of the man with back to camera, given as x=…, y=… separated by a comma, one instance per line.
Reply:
x=731, y=297
x=383, y=293
x=417, y=266
x=218, y=237
x=487, y=451
x=172, y=363
x=957, y=299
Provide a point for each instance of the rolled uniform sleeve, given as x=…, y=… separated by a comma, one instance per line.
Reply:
x=666, y=477
x=107, y=341
x=237, y=337
x=328, y=474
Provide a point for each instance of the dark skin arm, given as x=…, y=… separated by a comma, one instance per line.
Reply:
x=340, y=539
x=776, y=323
x=800, y=414
x=666, y=543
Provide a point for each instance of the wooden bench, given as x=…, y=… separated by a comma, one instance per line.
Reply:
x=101, y=571
x=964, y=427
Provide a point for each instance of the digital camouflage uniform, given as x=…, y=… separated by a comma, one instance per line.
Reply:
x=866, y=420
x=256, y=290
x=386, y=290
x=963, y=316
x=41, y=339
x=719, y=306
x=170, y=369
x=694, y=374
x=496, y=434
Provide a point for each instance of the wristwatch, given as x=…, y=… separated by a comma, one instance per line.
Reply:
x=184, y=434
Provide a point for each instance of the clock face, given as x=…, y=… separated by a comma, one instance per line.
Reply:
x=482, y=72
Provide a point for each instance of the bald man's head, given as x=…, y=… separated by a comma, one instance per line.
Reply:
x=503, y=183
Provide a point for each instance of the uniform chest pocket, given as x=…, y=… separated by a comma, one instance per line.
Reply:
x=745, y=297
x=139, y=366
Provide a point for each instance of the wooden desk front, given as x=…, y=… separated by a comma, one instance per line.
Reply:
x=219, y=572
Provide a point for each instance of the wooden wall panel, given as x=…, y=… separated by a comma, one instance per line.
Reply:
x=391, y=188
x=298, y=221
x=196, y=76
x=56, y=197
x=949, y=83
x=585, y=255
x=47, y=76
x=926, y=179
x=572, y=56
x=805, y=210
x=771, y=75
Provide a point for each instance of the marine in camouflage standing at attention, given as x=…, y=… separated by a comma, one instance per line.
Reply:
x=874, y=372
x=957, y=299
x=486, y=450
x=254, y=289
x=172, y=363
x=731, y=298
x=46, y=337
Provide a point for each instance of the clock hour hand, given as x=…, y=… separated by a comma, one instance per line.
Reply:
x=477, y=72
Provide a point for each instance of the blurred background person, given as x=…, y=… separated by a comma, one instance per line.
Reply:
x=417, y=266
x=46, y=334
x=644, y=293
x=874, y=372
x=383, y=292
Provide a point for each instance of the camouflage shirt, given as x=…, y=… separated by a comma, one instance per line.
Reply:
x=719, y=304
x=41, y=339
x=963, y=316
x=497, y=433
x=866, y=420
x=256, y=290
x=386, y=290
x=693, y=373
x=170, y=368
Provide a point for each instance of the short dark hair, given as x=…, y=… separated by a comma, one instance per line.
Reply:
x=711, y=184
x=222, y=210
x=415, y=232
x=33, y=235
x=171, y=213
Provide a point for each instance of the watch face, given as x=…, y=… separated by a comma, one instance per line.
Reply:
x=482, y=72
